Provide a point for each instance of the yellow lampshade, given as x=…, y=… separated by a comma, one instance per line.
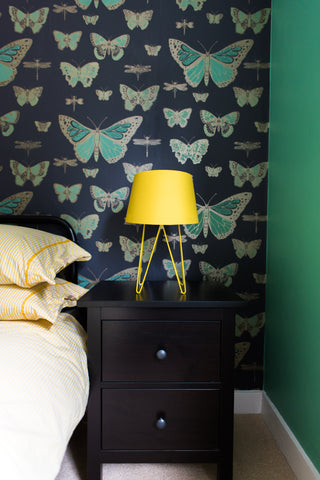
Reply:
x=162, y=197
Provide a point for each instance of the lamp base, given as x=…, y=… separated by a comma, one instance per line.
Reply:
x=181, y=282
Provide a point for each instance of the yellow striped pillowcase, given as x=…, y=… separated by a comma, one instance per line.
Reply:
x=41, y=301
x=29, y=256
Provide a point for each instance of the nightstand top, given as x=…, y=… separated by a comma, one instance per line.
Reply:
x=160, y=294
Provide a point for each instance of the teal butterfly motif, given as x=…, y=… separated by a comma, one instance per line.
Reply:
x=262, y=127
x=152, y=50
x=223, y=125
x=88, y=283
x=137, y=19
x=144, y=98
x=260, y=278
x=10, y=58
x=194, y=151
x=240, y=351
x=126, y=274
x=213, y=171
x=90, y=172
x=199, y=248
x=243, y=249
x=220, y=218
x=84, y=226
x=195, y=4
x=256, y=21
x=111, y=142
x=114, y=47
x=103, y=95
x=85, y=74
x=252, y=325
x=41, y=126
x=130, y=170
x=168, y=266
x=177, y=117
x=65, y=192
x=15, y=204
x=109, y=4
x=33, y=173
x=8, y=121
x=254, y=174
x=221, y=275
x=27, y=96
x=214, y=18
x=200, y=97
x=103, y=246
x=113, y=200
x=35, y=20
x=67, y=40
x=220, y=66
x=131, y=249
x=247, y=97
x=90, y=19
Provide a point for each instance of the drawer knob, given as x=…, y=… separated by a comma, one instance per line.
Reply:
x=161, y=354
x=161, y=423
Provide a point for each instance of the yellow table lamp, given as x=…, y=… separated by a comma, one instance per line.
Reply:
x=162, y=197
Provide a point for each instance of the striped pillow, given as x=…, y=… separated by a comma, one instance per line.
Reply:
x=29, y=256
x=41, y=301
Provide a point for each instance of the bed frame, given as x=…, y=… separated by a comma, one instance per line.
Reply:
x=49, y=224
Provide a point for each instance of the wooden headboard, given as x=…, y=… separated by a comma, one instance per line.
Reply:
x=49, y=224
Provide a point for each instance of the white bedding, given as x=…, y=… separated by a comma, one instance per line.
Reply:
x=44, y=388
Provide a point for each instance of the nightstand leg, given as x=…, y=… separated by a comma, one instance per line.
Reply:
x=225, y=470
x=94, y=470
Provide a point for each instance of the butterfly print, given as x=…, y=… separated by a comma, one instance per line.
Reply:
x=85, y=74
x=220, y=218
x=85, y=226
x=35, y=173
x=195, y=151
x=221, y=275
x=113, y=200
x=223, y=125
x=35, y=20
x=114, y=47
x=220, y=66
x=10, y=58
x=111, y=142
x=67, y=40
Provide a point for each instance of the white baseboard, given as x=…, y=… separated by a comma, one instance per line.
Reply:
x=257, y=401
x=298, y=460
x=247, y=401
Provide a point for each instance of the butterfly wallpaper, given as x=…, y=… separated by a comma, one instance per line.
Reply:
x=94, y=91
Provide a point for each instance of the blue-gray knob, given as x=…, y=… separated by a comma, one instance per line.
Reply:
x=161, y=354
x=161, y=423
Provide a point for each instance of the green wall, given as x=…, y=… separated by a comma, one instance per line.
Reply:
x=292, y=339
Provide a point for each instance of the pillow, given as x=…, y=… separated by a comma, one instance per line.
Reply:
x=41, y=301
x=29, y=256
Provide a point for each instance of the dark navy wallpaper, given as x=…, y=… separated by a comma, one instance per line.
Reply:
x=93, y=91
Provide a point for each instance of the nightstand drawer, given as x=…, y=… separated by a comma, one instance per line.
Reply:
x=152, y=351
x=142, y=419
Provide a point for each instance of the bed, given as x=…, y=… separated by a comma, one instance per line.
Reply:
x=44, y=380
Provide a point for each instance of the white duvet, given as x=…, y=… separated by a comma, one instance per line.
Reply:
x=44, y=388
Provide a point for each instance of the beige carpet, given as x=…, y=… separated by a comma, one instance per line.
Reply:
x=256, y=457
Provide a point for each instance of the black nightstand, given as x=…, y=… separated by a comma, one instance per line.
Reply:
x=161, y=370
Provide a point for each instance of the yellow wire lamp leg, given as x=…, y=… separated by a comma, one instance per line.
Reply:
x=139, y=284
x=181, y=282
